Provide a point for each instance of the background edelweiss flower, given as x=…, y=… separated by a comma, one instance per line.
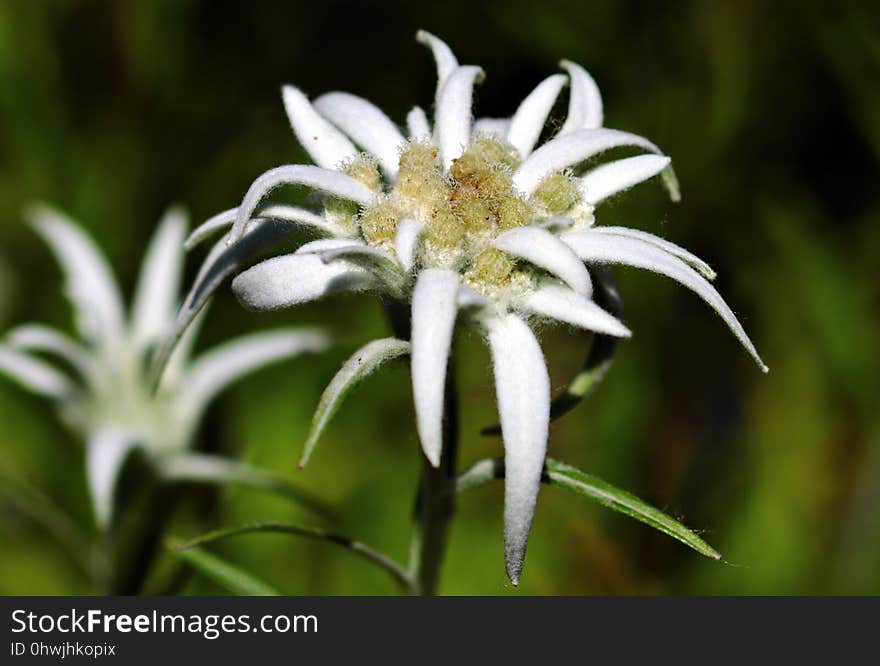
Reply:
x=463, y=220
x=106, y=397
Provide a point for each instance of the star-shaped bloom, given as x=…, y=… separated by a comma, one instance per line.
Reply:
x=103, y=391
x=465, y=221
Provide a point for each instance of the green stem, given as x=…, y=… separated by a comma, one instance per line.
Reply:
x=435, y=504
x=435, y=500
x=137, y=543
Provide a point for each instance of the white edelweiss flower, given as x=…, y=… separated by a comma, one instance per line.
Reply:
x=104, y=392
x=469, y=220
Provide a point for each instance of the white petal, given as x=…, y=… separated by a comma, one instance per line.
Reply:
x=567, y=306
x=406, y=242
x=323, y=244
x=155, y=298
x=357, y=368
x=366, y=124
x=494, y=127
x=565, y=151
x=106, y=453
x=34, y=375
x=292, y=279
x=379, y=263
x=585, y=104
x=522, y=386
x=443, y=56
x=271, y=211
x=607, y=249
x=434, y=309
x=35, y=337
x=609, y=179
x=358, y=252
x=210, y=227
x=417, y=124
x=214, y=370
x=326, y=145
x=542, y=248
x=530, y=117
x=222, y=262
x=332, y=182
x=88, y=280
x=452, y=118
x=689, y=258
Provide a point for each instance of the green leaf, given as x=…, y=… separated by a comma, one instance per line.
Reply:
x=207, y=468
x=565, y=476
x=227, y=575
x=361, y=364
x=396, y=571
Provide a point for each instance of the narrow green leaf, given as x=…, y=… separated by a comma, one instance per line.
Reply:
x=364, y=361
x=206, y=468
x=571, y=478
x=225, y=574
x=565, y=476
x=366, y=552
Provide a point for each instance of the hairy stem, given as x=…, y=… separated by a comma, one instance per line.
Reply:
x=435, y=500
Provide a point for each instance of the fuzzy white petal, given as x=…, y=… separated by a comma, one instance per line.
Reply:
x=689, y=258
x=452, y=118
x=33, y=374
x=443, y=56
x=417, y=124
x=571, y=149
x=39, y=338
x=585, y=104
x=522, y=386
x=366, y=124
x=434, y=308
x=530, y=117
x=88, y=280
x=323, y=244
x=292, y=279
x=601, y=248
x=221, y=262
x=284, y=212
x=332, y=182
x=567, y=306
x=210, y=227
x=406, y=242
x=214, y=370
x=106, y=452
x=540, y=247
x=326, y=145
x=494, y=127
x=155, y=298
x=358, y=252
x=609, y=179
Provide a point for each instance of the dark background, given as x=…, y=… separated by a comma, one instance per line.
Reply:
x=771, y=113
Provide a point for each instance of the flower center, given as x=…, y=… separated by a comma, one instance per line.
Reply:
x=463, y=210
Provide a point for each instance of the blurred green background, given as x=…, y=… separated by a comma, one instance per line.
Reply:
x=771, y=113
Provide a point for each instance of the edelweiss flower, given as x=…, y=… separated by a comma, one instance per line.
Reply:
x=108, y=398
x=465, y=221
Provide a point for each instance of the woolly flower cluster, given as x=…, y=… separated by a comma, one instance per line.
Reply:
x=463, y=221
